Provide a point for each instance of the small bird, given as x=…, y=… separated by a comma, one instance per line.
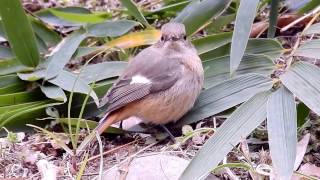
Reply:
x=160, y=84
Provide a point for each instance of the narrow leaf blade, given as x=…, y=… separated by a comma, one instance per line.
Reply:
x=302, y=79
x=81, y=18
x=69, y=82
x=226, y=95
x=282, y=131
x=54, y=92
x=63, y=52
x=20, y=35
x=244, y=20
x=110, y=28
x=198, y=13
x=309, y=49
x=134, y=11
x=239, y=125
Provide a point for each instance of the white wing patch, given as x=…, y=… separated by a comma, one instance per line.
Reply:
x=138, y=79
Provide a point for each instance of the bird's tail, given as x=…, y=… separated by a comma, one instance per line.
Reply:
x=103, y=124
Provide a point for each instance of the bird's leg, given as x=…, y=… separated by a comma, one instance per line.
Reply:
x=121, y=124
x=169, y=133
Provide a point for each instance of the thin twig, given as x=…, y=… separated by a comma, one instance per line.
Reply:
x=110, y=151
x=315, y=11
x=101, y=156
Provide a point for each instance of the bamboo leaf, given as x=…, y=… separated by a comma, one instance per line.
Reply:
x=5, y=53
x=46, y=15
x=54, y=92
x=239, y=125
x=81, y=18
x=211, y=42
x=244, y=20
x=309, y=49
x=20, y=35
x=226, y=95
x=48, y=35
x=134, y=11
x=102, y=71
x=282, y=132
x=198, y=13
x=9, y=66
x=303, y=80
x=217, y=70
x=267, y=47
x=33, y=76
x=69, y=82
x=302, y=113
x=63, y=52
x=110, y=28
x=20, y=97
x=313, y=29
x=273, y=18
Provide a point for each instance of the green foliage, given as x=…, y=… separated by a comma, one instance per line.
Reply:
x=32, y=79
x=20, y=35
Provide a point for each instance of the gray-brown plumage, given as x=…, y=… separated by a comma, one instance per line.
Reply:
x=160, y=84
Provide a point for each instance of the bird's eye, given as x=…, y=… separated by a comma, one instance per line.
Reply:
x=185, y=37
x=162, y=38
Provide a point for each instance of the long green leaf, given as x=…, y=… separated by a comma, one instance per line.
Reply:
x=46, y=16
x=302, y=113
x=169, y=10
x=312, y=4
x=273, y=18
x=20, y=97
x=69, y=82
x=9, y=66
x=198, y=13
x=239, y=125
x=134, y=11
x=33, y=76
x=244, y=20
x=63, y=52
x=18, y=119
x=54, y=92
x=81, y=18
x=313, y=29
x=309, y=49
x=282, y=132
x=8, y=79
x=110, y=28
x=226, y=95
x=211, y=42
x=218, y=23
x=48, y=35
x=303, y=80
x=13, y=88
x=102, y=71
x=267, y=47
x=5, y=53
x=217, y=70
x=20, y=35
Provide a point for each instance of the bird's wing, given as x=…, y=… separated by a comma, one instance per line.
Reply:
x=141, y=78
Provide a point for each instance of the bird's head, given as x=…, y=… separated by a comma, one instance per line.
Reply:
x=173, y=32
x=173, y=36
